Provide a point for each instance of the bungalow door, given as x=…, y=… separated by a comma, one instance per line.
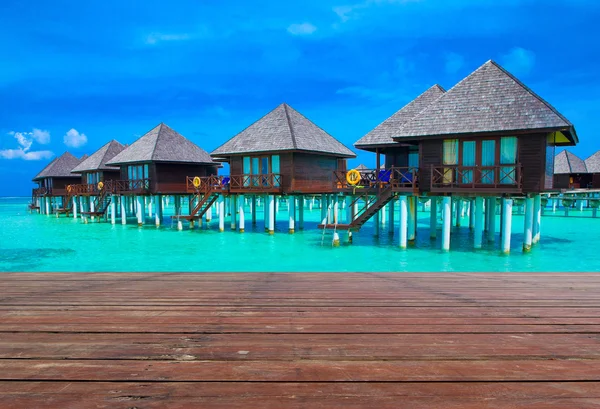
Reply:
x=265, y=170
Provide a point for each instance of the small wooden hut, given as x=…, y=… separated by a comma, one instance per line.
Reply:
x=94, y=169
x=570, y=172
x=53, y=181
x=592, y=165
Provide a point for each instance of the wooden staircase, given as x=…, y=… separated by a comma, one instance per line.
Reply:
x=204, y=199
x=100, y=204
x=68, y=204
x=372, y=204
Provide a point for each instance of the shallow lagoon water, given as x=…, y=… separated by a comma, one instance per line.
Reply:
x=33, y=242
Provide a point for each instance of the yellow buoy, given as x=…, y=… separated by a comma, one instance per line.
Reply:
x=197, y=182
x=353, y=177
x=69, y=188
x=100, y=185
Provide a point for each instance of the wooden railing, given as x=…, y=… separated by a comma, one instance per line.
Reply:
x=128, y=186
x=255, y=183
x=499, y=177
x=207, y=184
x=396, y=177
x=40, y=191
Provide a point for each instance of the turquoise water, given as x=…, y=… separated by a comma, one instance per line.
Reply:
x=32, y=242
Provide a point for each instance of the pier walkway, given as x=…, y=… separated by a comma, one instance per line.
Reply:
x=299, y=340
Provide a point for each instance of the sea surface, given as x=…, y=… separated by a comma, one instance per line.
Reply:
x=39, y=243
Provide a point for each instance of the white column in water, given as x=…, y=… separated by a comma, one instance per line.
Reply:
x=47, y=201
x=446, y=222
x=233, y=201
x=150, y=206
x=292, y=213
x=301, y=205
x=81, y=208
x=478, y=235
x=348, y=200
x=138, y=211
x=528, y=234
x=506, y=225
x=412, y=218
x=403, y=228
x=74, y=206
x=221, y=207
x=271, y=221
x=158, y=211
x=113, y=210
x=123, y=211
x=537, y=217
x=209, y=214
x=433, y=217
x=383, y=212
x=336, y=208
x=242, y=221
x=276, y=205
x=92, y=207
x=492, y=223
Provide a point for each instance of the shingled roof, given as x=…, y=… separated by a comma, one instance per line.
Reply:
x=283, y=129
x=97, y=161
x=592, y=163
x=59, y=167
x=162, y=144
x=488, y=100
x=383, y=133
x=565, y=163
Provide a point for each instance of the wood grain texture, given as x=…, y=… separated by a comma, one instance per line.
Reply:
x=350, y=340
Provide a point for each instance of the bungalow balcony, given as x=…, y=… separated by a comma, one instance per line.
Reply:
x=477, y=179
x=266, y=183
x=400, y=179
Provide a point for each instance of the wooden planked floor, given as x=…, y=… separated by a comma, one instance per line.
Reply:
x=223, y=340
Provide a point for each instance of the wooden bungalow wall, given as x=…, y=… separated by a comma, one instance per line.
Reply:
x=171, y=177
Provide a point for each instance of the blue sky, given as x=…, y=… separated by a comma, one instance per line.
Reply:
x=74, y=74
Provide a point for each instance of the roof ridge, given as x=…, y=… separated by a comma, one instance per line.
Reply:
x=289, y=122
x=526, y=88
x=160, y=127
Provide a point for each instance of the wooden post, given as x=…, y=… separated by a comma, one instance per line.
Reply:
x=123, y=211
x=271, y=214
x=537, y=217
x=403, y=230
x=291, y=214
x=492, y=222
x=412, y=219
x=221, y=204
x=301, y=212
x=479, y=221
x=242, y=222
x=446, y=222
x=506, y=225
x=528, y=233
x=433, y=217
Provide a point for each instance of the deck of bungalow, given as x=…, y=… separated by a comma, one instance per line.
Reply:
x=125, y=340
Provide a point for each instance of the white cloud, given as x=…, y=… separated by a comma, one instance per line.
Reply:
x=453, y=62
x=301, y=29
x=25, y=141
x=155, y=38
x=22, y=153
x=74, y=139
x=350, y=11
x=519, y=61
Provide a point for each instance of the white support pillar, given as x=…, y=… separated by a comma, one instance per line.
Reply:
x=113, y=210
x=233, y=201
x=123, y=211
x=301, y=213
x=292, y=213
x=528, y=232
x=311, y=204
x=554, y=201
x=412, y=219
x=479, y=222
x=138, y=211
x=336, y=209
x=47, y=203
x=221, y=204
x=433, y=217
x=384, y=211
x=150, y=206
x=403, y=229
x=158, y=219
x=506, y=224
x=537, y=217
x=92, y=208
x=492, y=223
x=242, y=221
x=209, y=213
x=446, y=222
x=74, y=207
x=276, y=205
x=271, y=221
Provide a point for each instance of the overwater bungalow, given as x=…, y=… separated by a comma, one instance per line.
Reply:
x=96, y=176
x=570, y=172
x=592, y=164
x=488, y=137
x=154, y=165
x=52, y=181
x=283, y=153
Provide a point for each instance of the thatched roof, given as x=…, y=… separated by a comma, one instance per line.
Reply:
x=97, y=161
x=84, y=157
x=592, y=163
x=283, y=129
x=59, y=167
x=566, y=163
x=383, y=133
x=162, y=144
x=361, y=167
x=488, y=100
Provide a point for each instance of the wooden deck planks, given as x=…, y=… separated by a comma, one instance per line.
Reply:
x=226, y=340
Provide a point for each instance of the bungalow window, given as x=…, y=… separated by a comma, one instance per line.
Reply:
x=260, y=169
x=138, y=172
x=450, y=158
x=488, y=160
x=468, y=161
x=508, y=156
